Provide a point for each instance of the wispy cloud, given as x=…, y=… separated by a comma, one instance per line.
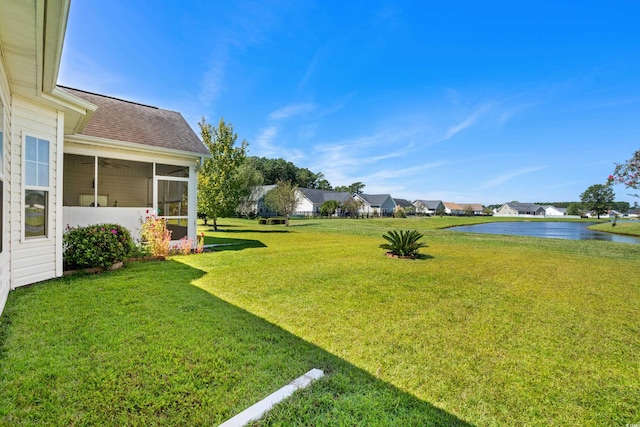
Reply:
x=213, y=80
x=264, y=141
x=508, y=176
x=468, y=121
x=292, y=110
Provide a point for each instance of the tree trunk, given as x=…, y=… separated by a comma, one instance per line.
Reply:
x=286, y=220
x=215, y=223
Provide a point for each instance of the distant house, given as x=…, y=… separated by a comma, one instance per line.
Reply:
x=376, y=204
x=634, y=213
x=553, y=211
x=311, y=200
x=257, y=195
x=429, y=207
x=403, y=204
x=458, y=209
x=520, y=209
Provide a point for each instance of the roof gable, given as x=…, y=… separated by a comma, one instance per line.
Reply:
x=125, y=121
x=374, y=199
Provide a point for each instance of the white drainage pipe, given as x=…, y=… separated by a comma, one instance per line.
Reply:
x=256, y=411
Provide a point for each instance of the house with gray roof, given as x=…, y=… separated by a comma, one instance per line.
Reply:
x=311, y=199
x=520, y=209
x=376, y=204
x=429, y=207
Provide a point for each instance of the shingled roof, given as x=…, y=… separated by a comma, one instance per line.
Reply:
x=127, y=121
x=321, y=196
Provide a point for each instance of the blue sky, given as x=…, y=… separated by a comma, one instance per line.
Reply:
x=470, y=102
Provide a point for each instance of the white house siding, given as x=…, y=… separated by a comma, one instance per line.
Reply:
x=305, y=206
x=506, y=211
x=5, y=271
x=33, y=260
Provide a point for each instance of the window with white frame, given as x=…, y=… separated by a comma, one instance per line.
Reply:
x=36, y=194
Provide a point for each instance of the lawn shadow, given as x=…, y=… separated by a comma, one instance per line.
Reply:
x=147, y=337
x=217, y=244
x=244, y=230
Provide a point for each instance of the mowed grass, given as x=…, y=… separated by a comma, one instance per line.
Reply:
x=490, y=330
x=631, y=228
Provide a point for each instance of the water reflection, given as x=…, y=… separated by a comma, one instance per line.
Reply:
x=551, y=230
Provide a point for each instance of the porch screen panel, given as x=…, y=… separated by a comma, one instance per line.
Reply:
x=173, y=205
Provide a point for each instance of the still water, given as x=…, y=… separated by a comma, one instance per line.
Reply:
x=551, y=230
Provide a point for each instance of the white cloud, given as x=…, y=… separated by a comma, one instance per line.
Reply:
x=468, y=121
x=292, y=110
x=508, y=176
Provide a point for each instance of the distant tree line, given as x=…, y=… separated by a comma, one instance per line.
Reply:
x=280, y=170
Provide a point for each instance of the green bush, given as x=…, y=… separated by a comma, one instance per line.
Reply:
x=100, y=245
x=403, y=242
x=262, y=221
x=276, y=221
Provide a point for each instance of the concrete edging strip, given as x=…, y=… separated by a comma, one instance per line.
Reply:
x=255, y=412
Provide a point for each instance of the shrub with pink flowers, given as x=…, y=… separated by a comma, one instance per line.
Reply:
x=100, y=245
x=155, y=235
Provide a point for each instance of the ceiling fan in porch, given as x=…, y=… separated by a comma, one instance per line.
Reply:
x=108, y=163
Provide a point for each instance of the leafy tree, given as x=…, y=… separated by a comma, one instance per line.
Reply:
x=248, y=178
x=329, y=207
x=468, y=210
x=219, y=189
x=274, y=170
x=355, y=188
x=351, y=206
x=323, y=184
x=574, y=209
x=598, y=198
x=283, y=199
x=628, y=173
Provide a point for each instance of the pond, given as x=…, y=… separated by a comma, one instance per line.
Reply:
x=551, y=230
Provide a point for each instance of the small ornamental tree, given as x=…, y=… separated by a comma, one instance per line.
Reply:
x=405, y=243
x=329, y=207
x=283, y=199
x=351, y=206
x=219, y=190
x=628, y=173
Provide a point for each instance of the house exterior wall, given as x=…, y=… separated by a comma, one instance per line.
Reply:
x=34, y=259
x=305, y=206
x=5, y=122
x=506, y=210
x=388, y=206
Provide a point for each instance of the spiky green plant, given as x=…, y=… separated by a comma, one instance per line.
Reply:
x=403, y=242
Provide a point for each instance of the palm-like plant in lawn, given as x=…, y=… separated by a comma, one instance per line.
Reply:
x=403, y=243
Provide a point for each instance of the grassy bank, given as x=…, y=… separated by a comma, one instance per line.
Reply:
x=631, y=228
x=490, y=330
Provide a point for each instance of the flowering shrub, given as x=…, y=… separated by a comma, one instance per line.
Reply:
x=155, y=235
x=185, y=245
x=100, y=245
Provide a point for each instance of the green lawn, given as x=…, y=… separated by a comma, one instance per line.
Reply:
x=631, y=228
x=489, y=330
